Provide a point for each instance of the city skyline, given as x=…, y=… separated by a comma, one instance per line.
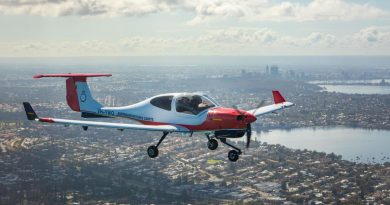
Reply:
x=164, y=28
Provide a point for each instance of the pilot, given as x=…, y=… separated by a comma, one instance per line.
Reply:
x=184, y=105
x=195, y=102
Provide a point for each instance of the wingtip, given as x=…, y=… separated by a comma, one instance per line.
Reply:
x=278, y=98
x=26, y=104
x=30, y=113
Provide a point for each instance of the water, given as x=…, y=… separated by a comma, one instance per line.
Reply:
x=350, y=87
x=371, y=81
x=367, y=145
x=357, y=89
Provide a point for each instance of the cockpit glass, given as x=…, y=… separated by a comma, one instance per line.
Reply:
x=193, y=104
x=163, y=102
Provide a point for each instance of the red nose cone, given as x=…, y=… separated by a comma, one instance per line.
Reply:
x=249, y=118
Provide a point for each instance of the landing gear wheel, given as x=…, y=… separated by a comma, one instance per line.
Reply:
x=152, y=151
x=212, y=144
x=233, y=155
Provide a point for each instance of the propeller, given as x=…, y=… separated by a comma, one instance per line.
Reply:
x=261, y=104
x=241, y=116
x=249, y=127
x=248, y=130
x=248, y=134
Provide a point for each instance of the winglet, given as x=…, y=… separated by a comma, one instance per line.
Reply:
x=31, y=115
x=278, y=98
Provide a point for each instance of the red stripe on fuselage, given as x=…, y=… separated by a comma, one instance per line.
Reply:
x=217, y=119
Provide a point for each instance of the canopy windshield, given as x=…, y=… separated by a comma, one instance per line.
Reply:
x=193, y=104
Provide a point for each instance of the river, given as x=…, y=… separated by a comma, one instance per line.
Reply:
x=350, y=87
x=355, y=144
x=357, y=89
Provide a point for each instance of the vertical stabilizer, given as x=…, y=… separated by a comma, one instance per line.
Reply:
x=78, y=95
x=86, y=102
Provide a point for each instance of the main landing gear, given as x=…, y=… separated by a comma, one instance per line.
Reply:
x=153, y=150
x=233, y=155
x=212, y=144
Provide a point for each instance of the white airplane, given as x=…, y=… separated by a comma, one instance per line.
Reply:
x=166, y=113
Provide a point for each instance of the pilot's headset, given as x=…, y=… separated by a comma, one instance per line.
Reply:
x=196, y=100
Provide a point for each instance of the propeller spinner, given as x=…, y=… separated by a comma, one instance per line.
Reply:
x=248, y=118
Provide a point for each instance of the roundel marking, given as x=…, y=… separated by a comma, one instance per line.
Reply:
x=83, y=96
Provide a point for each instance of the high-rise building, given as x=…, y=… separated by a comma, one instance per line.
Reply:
x=274, y=71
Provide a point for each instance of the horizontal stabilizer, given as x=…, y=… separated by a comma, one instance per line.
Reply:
x=67, y=75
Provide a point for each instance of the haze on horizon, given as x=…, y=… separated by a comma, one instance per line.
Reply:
x=71, y=28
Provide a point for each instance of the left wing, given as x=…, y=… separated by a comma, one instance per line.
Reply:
x=31, y=115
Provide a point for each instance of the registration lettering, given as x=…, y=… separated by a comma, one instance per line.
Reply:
x=122, y=114
x=136, y=117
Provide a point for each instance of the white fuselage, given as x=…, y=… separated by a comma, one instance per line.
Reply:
x=144, y=111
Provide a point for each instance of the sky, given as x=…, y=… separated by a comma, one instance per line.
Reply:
x=76, y=28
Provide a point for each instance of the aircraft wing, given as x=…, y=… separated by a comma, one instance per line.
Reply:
x=31, y=115
x=279, y=104
x=270, y=108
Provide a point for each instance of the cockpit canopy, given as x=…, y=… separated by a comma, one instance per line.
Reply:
x=184, y=103
x=163, y=102
x=193, y=104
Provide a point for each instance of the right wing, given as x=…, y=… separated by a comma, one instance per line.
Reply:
x=270, y=108
x=279, y=104
x=31, y=115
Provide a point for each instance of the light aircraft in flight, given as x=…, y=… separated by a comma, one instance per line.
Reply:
x=166, y=113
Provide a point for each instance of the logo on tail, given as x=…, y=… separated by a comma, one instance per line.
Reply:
x=83, y=96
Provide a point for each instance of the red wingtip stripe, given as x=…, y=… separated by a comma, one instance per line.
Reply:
x=38, y=76
x=278, y=98
x=46, y=119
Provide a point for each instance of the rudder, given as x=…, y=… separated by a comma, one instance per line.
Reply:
x=78, y=95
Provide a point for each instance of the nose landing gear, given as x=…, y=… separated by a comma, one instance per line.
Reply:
x=233, y=155
x=212, y=144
